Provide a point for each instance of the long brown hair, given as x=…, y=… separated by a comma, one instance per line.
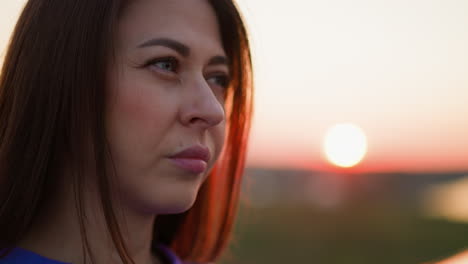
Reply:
x=52, y=101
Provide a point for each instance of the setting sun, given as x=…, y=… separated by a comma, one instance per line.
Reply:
x=345, y=145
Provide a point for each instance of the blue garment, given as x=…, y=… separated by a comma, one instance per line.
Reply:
x=23, y=256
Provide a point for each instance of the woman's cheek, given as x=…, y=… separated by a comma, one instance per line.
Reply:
x=219, y=138
x=145, y=104
x=139, y=119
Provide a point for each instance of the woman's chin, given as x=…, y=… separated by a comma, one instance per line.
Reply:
x=168, y=203
x=176, y=207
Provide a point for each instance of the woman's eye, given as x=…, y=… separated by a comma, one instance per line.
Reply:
x=220, y=80
x=169, y=64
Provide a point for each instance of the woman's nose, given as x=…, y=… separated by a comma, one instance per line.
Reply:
x=201, y=107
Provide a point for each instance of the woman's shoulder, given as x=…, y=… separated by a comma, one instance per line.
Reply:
x=22, y=256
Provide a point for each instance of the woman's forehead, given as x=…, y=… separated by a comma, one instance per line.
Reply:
x=188, y=21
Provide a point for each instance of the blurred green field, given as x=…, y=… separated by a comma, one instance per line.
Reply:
x=361, y=233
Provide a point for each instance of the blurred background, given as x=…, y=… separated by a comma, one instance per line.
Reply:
x=359, y=147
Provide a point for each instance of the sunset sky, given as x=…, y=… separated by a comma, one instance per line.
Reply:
x=396, y=68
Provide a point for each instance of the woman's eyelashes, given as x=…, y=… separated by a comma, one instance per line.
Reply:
x=219, y=79
x=165, y=64
x=171, y=66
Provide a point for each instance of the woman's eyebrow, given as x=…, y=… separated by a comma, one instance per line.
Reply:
x=169, y=43
x=219, y=60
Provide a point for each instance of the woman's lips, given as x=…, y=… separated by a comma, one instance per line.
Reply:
x=191, y=165
x=193, y=159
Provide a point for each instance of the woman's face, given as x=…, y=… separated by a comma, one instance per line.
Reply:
x=165, y=116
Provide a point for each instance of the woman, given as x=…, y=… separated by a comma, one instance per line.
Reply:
x=112, y=115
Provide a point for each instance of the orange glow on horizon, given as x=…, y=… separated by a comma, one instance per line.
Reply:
x=373, y=163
